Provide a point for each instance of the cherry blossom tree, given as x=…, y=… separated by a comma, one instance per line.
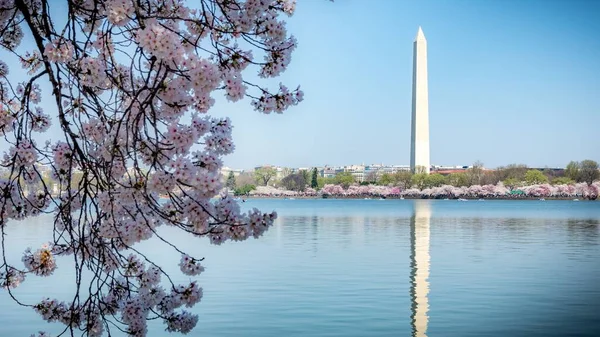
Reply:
x=332, y=189
x=131, y=84
x=594, y=190
x=412, y=192
x=394, y=191
x=498, y=190
x=310, y=191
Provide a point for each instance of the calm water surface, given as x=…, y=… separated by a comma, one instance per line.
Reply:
x=378, y=268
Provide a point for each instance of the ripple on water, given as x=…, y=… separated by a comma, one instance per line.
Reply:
x=386, y=268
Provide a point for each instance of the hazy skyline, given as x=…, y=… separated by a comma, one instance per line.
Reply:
x=509, y=82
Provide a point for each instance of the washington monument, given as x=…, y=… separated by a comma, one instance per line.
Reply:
x=419, y=143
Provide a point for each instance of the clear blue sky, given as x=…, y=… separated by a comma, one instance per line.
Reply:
x=509, y=82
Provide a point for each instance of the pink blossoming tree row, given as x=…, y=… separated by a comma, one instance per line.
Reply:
x=582, y=190
x=131, y=83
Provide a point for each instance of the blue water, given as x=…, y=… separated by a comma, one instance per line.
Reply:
x=377, y=268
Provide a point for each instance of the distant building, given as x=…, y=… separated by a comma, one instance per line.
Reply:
x=357, y=171
x=225, y=171
x=330, y=172
x=389, y=169
x=363, y=172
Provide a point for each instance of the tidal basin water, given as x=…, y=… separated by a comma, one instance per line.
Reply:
x=376, y=268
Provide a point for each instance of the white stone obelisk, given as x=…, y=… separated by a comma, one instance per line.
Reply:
x=419, y=144
x=419, y=263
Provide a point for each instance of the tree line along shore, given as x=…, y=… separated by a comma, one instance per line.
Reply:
x=577, y=180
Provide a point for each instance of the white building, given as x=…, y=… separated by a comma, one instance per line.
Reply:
x=225, y=171
x=357, y=171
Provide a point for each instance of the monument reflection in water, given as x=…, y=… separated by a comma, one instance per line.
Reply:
x=419, y=265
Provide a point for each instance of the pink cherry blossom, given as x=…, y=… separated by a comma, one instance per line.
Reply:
x=132, y=146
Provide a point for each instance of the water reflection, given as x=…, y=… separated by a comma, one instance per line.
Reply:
x=419, y=264
x=314, y=226
x=506, y=268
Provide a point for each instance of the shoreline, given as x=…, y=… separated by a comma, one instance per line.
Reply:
x=342, y=197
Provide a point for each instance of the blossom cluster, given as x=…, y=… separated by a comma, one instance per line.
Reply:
x=6, y=117
x=160, y=41
x=11, y=278
x=9, y=18
x=58, y=51
x=93, y=73
x=190, y=266
x=21, y=206
x=279, y=102
x=118, y=12
x=152, y=297
x=41, y=262
x=40, y=122
x=22, y=155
